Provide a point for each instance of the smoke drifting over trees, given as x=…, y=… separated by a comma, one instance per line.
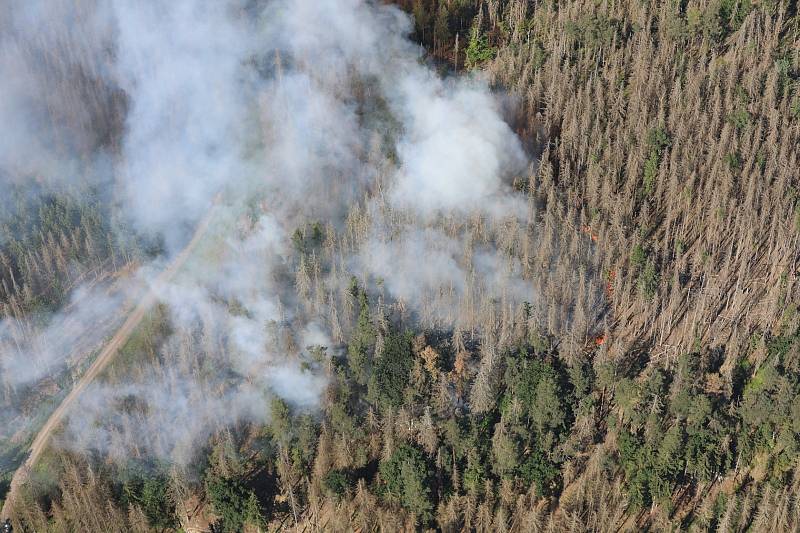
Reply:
x=311, y=110
x=497, y=265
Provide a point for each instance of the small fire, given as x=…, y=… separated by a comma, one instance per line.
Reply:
x=600, y=340
x=588, y=230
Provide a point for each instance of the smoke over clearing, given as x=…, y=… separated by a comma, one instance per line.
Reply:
x=280, y=113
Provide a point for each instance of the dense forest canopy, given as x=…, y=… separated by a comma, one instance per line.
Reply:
x=491, y=265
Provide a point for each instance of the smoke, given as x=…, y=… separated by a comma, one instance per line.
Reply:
x=58, y=102
x=440, y=268
x=28, y=358
x=32, y=359
x=167, y=415
x=278, y=113
x=456, y=150
x=182, y=65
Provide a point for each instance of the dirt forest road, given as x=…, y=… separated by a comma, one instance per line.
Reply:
x=103, y=359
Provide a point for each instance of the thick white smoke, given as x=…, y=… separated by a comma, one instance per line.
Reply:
x=303, y=109
x=182, y=64
x=456, y=152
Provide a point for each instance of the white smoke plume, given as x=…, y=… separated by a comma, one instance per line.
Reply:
x=182, y=65
x=279, y=112
x=457, y=151
x=31, y=356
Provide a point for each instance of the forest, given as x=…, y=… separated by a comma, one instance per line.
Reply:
x=428, y=265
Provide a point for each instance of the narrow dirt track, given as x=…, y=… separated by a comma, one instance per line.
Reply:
x=103, y=359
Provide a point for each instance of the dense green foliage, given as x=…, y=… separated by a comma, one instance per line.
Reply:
x=150, y=493
x=391, y=373
x=478, y=50
x=536, y=415
x=407, y=481
x=233, y=502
